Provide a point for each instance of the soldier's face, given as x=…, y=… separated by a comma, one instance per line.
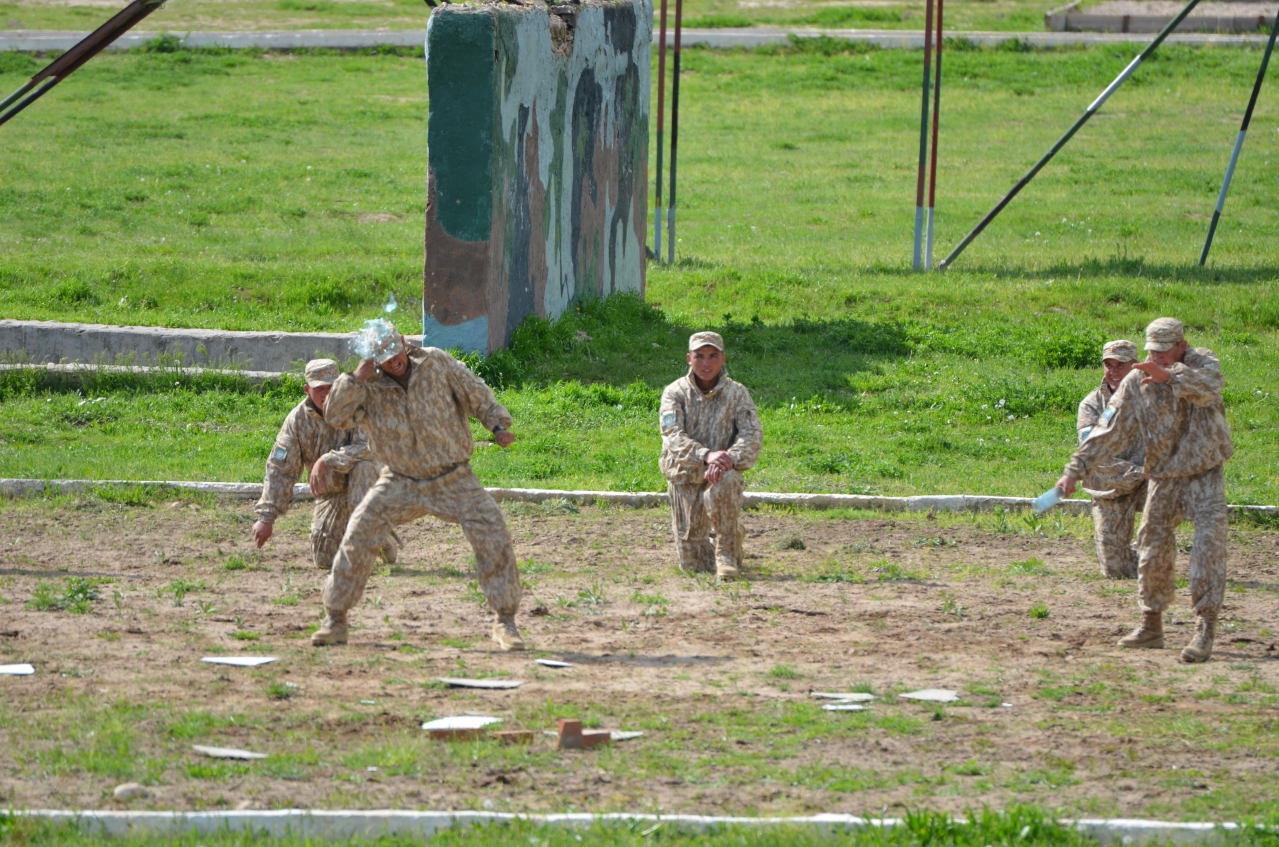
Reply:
x=1116, y=371
x=397, y=364
x=319, y=394
x=1171, y=356
x=706, y=362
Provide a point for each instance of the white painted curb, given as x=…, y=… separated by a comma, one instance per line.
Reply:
x=346, y=824
x=634, y=499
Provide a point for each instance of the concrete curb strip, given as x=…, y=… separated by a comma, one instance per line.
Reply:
x=633, y=499
x=37, y=41
x=347, y=824
x=52, y=341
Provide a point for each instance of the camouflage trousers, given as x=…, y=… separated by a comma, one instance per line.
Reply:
x=455, y=496
x=1200, y=499
x=1112, y=519
x=697, y=509
x=331, y=515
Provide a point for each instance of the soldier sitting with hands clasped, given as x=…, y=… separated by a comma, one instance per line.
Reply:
x=710, y=435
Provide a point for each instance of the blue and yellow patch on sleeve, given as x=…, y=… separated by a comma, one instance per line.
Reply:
x=279, y=453
x=1108, y=414
x=668, y=418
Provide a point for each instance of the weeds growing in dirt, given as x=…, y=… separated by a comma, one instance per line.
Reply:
x=1039, y=611
x=76, y=596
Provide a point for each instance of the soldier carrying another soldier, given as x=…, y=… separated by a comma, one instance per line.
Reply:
x=414, y=402
x=710, y=435
x=341, y=464
x=1172, y=403
x=1118, y=488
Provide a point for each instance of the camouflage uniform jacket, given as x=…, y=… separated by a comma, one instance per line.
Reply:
x=695, y=423
x=1090, y=412
x=305, y=437
x=1182, y=422
x=420, y=431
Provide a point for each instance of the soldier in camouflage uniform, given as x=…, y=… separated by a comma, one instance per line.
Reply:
x=710, y=435
x=415, y=407
x=1172, y=402
x=1119, y=488
x=341, y=464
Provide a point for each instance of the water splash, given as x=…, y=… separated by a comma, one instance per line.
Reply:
x=391, y=305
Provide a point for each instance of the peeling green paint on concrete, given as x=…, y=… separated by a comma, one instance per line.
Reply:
x=554, y=177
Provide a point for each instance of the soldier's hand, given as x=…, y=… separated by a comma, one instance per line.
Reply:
x=319, y=478
x=1153, y=372
x=262, y=532
x=714, y=473
x=504, y=438
x=1066, y=484
x=366, y=370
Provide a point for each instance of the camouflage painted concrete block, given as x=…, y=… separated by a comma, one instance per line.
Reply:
x=538, y=162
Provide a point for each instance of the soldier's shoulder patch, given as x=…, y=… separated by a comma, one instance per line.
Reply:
x=668, y=417
x=1109, y=413
x=280, y=453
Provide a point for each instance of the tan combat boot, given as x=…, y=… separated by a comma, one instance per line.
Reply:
x=1200, y=647
x=726, y=566
x=1149, y=634
x=507, y=634
x=332, y=631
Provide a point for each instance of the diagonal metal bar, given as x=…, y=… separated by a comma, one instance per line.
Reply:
x=1061, y=142
x=1234, y=155
x=72, y=60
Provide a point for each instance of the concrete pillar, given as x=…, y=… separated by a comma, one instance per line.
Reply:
x=538, y=162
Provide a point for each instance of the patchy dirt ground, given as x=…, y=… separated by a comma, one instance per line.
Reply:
x=717, y=676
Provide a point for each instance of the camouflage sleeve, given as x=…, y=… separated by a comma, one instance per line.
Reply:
x=1090, y=409
x=345, y=458
x=676, y=443
x=475, y=397
x=750, y=435
x=345, y=407
x=1198, y=380
x=1113, y=433
x=283, y=468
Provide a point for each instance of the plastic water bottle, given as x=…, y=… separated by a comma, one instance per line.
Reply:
x=391, y=305
x=1047, y=500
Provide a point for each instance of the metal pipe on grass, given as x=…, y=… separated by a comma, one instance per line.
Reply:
x=1234, y=155
x=1061, y=142
x=923, y=138
x=670, y=210
x=71, y=61
x=932, y=176
x=661, y=102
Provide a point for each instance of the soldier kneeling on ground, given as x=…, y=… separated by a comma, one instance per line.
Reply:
x=1117, y=488
x=342, y=470
x=710, y=435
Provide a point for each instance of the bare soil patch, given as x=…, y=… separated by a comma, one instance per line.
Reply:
x=717, y=676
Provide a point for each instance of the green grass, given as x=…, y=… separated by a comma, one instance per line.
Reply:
x=797, y=171
x=409, y=14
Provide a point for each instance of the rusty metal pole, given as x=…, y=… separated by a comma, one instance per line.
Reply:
x=71, y=61
x=661, y=102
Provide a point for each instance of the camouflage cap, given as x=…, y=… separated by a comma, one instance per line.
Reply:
x=703, y=339
x=321, y=372
x=1120, y=351
x=1164, y=334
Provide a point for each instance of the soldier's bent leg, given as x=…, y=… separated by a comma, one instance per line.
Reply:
x=722, y=502
x=328, y=525
x=1112, y=531
x=1205, y=505
x=391, y=502
x=691, y=527
x=1157, y=545
x=359, y=482
x=459, y=497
